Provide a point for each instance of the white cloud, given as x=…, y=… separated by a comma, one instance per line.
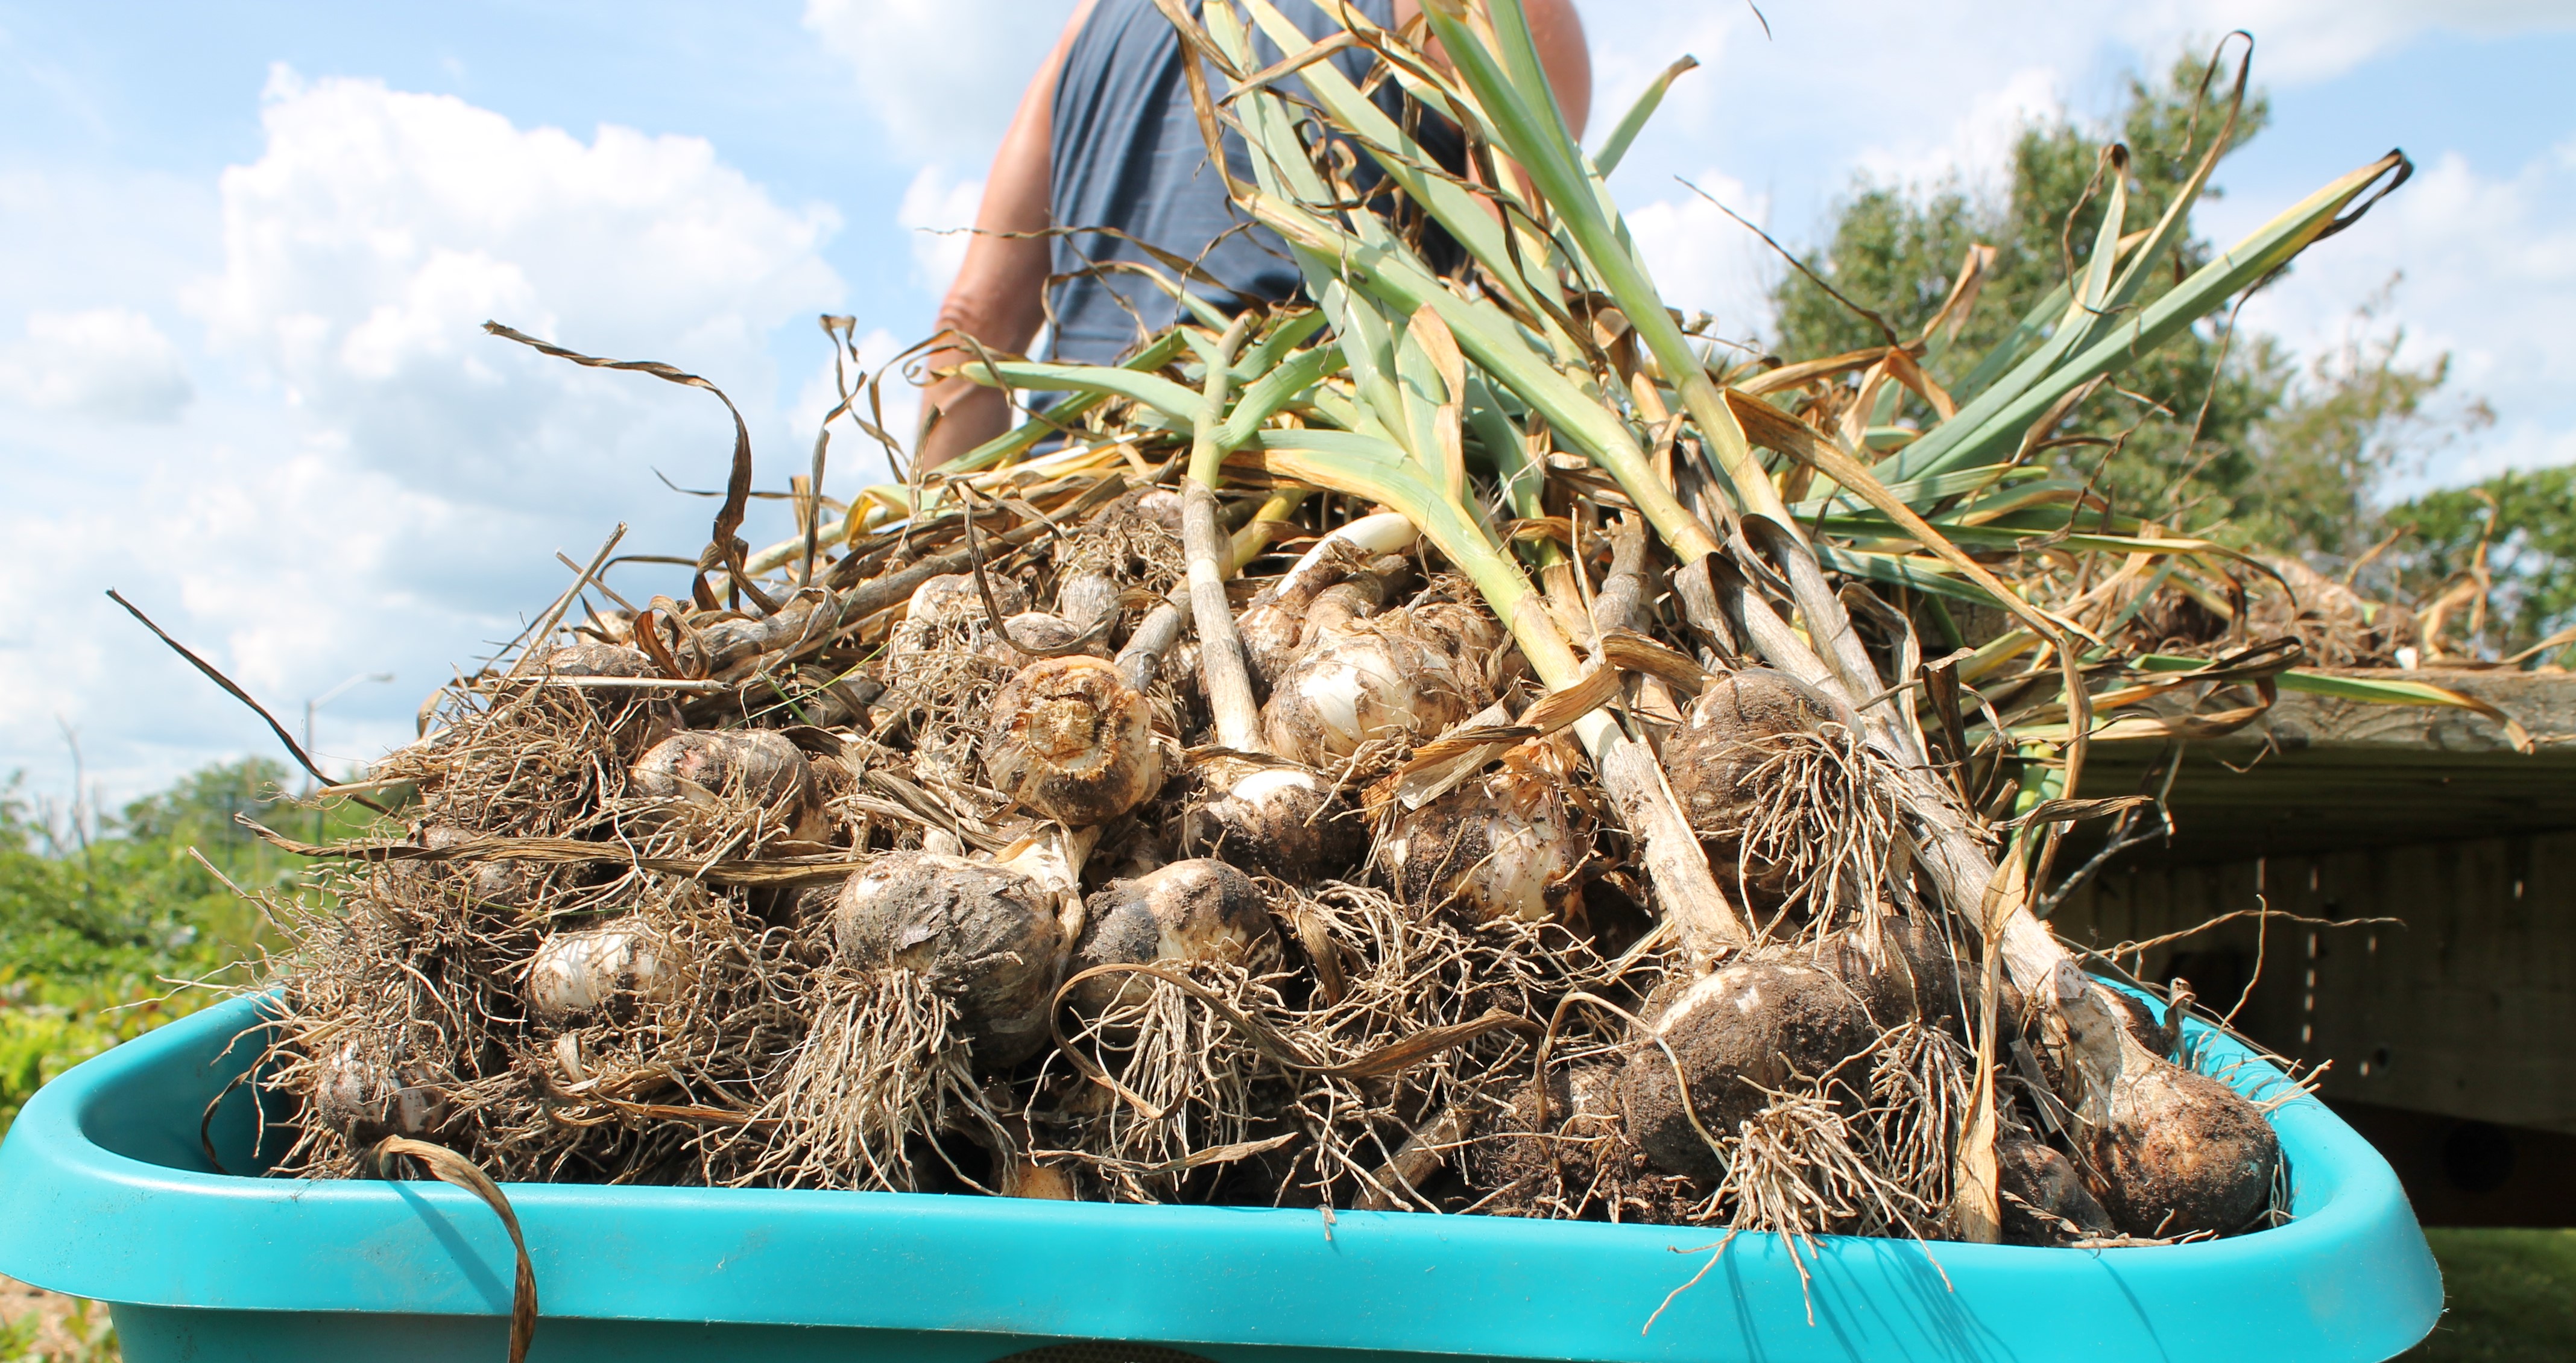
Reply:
x=1703, y=259
x=375, y=484
x=2310, y=40
x=1836, y=89
x=1976, y=145
x=2488, y=266
x=856, y=457
x=941, y=75
x=379, y=229
x=104, y=362
x=936, y=209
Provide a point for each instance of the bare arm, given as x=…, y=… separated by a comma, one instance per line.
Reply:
x=1562, y=50
x=998, y=296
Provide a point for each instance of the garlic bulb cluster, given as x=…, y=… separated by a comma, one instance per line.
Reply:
x=1503, y=845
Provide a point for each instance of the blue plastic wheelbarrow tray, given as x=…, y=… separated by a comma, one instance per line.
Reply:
x=105, y=1192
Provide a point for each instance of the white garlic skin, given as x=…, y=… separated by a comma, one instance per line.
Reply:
x=576, y=974
x=1415, y=670
x=1502, y=846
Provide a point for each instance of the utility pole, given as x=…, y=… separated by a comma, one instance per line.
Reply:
x=317, y=702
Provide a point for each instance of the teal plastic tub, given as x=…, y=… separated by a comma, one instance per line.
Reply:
x=105, y=1192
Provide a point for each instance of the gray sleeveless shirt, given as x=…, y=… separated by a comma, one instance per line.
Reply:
x=1125, y=153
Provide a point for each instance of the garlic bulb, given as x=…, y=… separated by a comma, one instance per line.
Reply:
x=984, y=935
x=1070, y=739
x=639, y=719
x=512, y=884
x=1039, y=630
x=951, y=599
x=366, y=1100
x=1196, y=910
x=755, y=766
x=577, y=974
x=1083, y=598
x=1737, y=1035
x=1502, y=845
x=592, y=659
x=1363, y=555
x=1416, y=670
x=1711, y=760
x=1274, y=819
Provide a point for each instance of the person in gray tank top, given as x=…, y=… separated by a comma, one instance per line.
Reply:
x=1105, y=138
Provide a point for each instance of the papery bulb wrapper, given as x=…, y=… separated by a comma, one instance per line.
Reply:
x=1416, y=670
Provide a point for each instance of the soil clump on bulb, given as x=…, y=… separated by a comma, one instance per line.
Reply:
x=983, y=936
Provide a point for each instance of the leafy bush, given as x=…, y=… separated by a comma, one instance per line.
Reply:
x=104, y=922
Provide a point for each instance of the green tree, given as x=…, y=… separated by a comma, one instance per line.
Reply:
x=95, y=925
x=2318, y=460
x=132, y=901
x=2525, y=523
x=2222, y=432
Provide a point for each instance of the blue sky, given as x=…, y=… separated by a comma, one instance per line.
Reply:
x=243, y=249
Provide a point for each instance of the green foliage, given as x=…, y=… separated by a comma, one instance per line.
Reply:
x=2330, y=444
x=2360, y=416
x=2219, y=433
x=129, y=898
x=1897, y=251
x=95, y=922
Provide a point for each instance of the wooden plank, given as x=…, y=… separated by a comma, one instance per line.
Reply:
x=2544, y=703
x=2233, y=800
x=2317, y=773
x=2468, y=1008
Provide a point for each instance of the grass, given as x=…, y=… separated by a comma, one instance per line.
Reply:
x=46, y=1328
x=2512, y=1297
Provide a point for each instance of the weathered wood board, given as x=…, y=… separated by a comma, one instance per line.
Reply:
x=2467, y=1006
x=2316, y=773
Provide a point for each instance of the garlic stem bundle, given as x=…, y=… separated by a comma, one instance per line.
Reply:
x=1271, y=818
